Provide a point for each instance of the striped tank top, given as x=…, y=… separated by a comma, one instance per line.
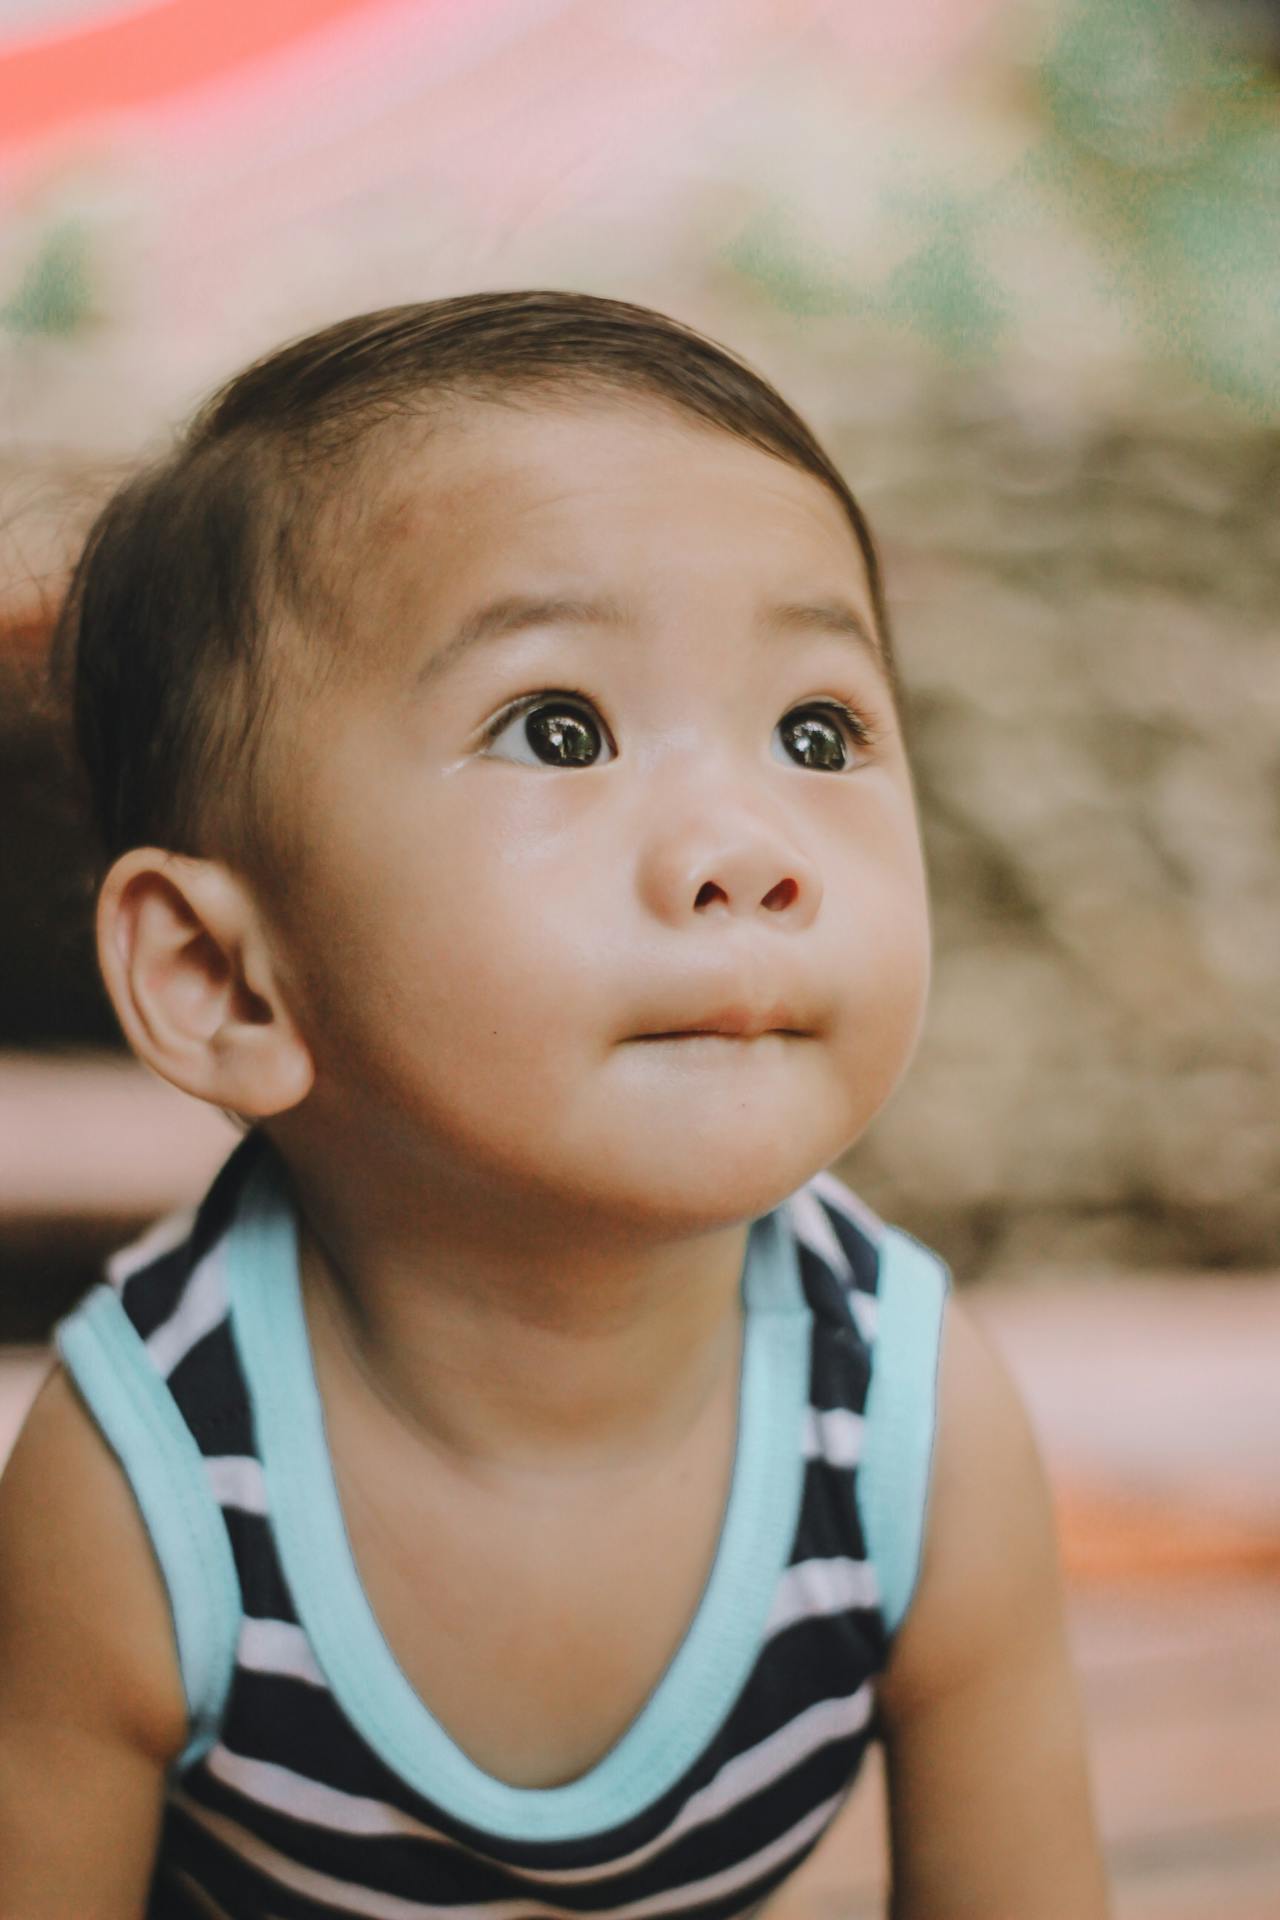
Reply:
x=316, y=1782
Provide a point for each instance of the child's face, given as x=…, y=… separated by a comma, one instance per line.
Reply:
x=478, y=934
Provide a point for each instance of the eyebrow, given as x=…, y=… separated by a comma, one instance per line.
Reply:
x=502, y=619
x=834, y=617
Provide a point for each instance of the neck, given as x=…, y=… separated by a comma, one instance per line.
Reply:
x=522, y=1351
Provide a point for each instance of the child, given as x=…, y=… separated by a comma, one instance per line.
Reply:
x=505, y=1495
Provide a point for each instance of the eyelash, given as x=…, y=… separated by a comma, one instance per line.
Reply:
x=526, y=704
x=859, y=726
x=865, y=734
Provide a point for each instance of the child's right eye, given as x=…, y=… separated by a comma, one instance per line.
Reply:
x=557, y=729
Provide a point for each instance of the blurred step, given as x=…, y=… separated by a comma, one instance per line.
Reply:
x=99, y=1137
x=92, y=1148
x=1154, y=1401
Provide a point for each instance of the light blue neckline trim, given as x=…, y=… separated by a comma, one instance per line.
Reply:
x=894, y=1474
x=713, y=1662
x=107, y=1360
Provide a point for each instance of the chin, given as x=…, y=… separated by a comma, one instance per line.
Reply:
x=695, y=1182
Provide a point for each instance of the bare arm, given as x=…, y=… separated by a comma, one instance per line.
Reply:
x=91, y=1702
x=991, y=1816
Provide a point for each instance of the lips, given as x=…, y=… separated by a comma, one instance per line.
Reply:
x=737, y=1021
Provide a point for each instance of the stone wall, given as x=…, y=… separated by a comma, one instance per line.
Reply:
x=1086, y=613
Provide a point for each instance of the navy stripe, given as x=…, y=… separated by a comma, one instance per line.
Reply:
x=236, y=1887
x=403, y=1865
x=208, y=1386
x=825, y=1530
x=809, y=1663
x=150, y=1295
x=263, y=1587
x=860, y=1251
x=825, y=1292
x=840, y=1371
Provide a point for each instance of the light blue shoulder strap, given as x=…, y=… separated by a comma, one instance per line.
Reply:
x=901, y=1407
x=106, y=1358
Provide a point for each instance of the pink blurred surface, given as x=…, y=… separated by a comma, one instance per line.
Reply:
x=104, y=1140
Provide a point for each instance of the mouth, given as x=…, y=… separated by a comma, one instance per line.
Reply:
x=734, y=1023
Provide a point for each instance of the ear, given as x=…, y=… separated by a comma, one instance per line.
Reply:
x=190, y=972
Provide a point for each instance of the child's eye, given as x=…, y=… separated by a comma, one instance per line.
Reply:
x=556, y=729
x=816, y=742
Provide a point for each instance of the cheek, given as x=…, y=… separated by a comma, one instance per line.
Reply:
x=470, y=960
x=887, y=941
x=906, y=994
x=907, y=933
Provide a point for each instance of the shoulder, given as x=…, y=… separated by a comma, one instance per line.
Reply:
x=989, y=1567
x=85, y=1631
x=984, y=1730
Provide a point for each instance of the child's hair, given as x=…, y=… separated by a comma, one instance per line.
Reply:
x=160, y=649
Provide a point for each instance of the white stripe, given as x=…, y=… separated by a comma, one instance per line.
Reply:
x=813, y=1588
x=237, y=1481
x=716, y=1885
x=159, y=1239
x=277, y=1646
x=834, y=1436
x=349, y=1898
x=296, y=1794
x=202, y=1306
x=866, y=1312
x=322, y=1886
x=738, y=1780
x=749, y=1773
x=814, y=1230
x=845, y=1201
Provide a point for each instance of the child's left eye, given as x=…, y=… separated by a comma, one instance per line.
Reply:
x=818, y=743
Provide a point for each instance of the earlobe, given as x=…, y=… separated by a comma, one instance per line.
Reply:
x=187, y=965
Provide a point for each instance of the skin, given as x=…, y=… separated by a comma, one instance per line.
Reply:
x=524, y=1221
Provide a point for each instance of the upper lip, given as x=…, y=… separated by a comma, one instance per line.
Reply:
x=738, y=1019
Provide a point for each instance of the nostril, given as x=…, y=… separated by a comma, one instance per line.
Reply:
x=781, y=896
x=709, y=891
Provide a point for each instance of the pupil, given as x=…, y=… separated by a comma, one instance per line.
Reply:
x=817, y=743
x=562, y=737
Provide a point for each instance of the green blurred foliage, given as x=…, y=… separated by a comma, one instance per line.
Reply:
x=54, y=295
x=1165, y=143
x=1154, y=147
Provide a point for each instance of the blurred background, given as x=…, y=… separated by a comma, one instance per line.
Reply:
x=1019, y=263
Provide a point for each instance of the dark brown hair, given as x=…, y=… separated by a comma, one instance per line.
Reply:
x=160, y=648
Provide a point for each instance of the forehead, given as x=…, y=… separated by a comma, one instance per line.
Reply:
x=628, y=496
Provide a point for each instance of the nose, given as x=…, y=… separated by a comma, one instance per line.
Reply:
x=728, y=861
